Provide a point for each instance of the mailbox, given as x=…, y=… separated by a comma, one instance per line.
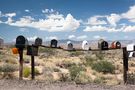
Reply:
x=38, y=41
x=85, y=45
x=32, y=50
x=54, y=43
x=103, y=45
x=131, y=50
x=69, y=45
x=20, y=42
x=130, y=47
x=116, y=45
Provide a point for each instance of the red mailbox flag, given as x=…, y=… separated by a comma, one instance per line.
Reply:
x=15, y=50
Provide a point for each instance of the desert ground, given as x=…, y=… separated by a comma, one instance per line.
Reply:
x=63, y=70
x=41, y=85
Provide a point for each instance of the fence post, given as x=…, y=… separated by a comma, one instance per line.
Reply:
x=32, y=67
x=125, y=65
x=21, y=64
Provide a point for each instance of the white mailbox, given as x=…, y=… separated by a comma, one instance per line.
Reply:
x=69, y=45
x=130, y=47
x=85, y=45
x=131, y=50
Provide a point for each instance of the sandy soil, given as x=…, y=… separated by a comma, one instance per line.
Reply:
x=41, y=85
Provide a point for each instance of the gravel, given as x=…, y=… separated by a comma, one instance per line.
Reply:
x=6, y=84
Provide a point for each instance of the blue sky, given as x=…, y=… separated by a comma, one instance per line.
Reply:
x=67, y=19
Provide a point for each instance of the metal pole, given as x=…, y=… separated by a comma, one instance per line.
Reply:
x=21, y=64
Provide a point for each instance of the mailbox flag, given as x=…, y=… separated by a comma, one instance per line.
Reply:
x=15, y=50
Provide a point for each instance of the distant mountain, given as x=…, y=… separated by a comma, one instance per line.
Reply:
x=64, y=42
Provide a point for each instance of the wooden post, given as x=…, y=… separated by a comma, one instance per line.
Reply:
x=32, y=68
x=125, y=65
x=21, y=64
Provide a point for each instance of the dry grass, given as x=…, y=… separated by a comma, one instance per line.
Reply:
x=57, y=65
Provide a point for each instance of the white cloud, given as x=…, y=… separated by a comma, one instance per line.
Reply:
x=51, y=37
x=113, y=19
x=103, y=28
x=82, y=37
x=53, y=23
x=50, y=11
x=71, y=36
x=95, y=20
x=95, y=28
x=45, y=11
x=27, y=10
x=23, y=22
x=130, y=14
x=129, y=28
x=31, y=38
x=9, y=21
x=10, y=15
x=99, y=37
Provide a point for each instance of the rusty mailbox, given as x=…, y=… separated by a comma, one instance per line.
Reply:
x=116, y=45
x=54, y=43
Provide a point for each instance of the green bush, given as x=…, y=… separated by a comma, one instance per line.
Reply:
x=26, y=72
x=82, y=78
x=89, y=60
x=99, y=80
x=103, y=66
x=99, y=55
x=75, y=70
x=37, y=71
x=6, y=68
x=76, y=53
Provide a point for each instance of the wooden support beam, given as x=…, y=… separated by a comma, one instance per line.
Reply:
x=125, y=64
x=32, y=68
x=20, y=64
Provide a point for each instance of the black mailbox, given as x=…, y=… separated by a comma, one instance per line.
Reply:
x=32, y=50
x=38, y=41
x=103, y=45
x=20, y=42
x=54, y=43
